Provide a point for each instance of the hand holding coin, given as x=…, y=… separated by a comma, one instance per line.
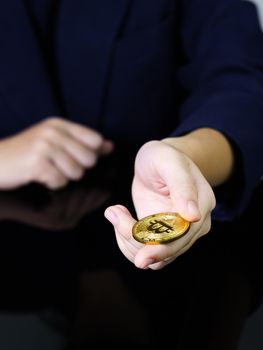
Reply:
x=173, y=203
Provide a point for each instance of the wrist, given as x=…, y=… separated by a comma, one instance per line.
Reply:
x=210, y=150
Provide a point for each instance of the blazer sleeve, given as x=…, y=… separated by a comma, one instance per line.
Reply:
x=222, y=76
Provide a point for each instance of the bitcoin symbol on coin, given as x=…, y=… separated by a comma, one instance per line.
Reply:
x=159, y=226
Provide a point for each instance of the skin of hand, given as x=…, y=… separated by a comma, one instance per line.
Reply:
x=175, y=174
x=52, y=153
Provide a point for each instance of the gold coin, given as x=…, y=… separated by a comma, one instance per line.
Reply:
x=160, y=228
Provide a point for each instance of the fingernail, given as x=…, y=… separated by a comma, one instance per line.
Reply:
x=111, y=216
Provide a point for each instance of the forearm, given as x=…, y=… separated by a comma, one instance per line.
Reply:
x=209, y=150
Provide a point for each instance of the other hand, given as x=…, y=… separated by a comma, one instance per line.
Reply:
x=52, y=152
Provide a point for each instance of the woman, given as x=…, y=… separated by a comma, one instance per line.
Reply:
x=180, y=82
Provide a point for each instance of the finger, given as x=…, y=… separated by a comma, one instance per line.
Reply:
x=81, y=153
x=127, y=248
x=182, y=187
x=66, y=164
x=151, y=255
x=51, y=177
x=121, y=219
x=160, y=265
x=106, y=148
x=87, y=136
x=184, y=196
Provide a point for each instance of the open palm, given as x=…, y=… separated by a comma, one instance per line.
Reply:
x=164, y=180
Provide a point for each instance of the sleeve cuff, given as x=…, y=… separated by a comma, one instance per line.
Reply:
x=239, y=117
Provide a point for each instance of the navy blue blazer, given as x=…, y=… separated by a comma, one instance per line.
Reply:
x=138, y=70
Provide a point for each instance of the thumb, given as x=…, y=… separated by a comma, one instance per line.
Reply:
x=121, y=219
x=187, y=207
x=183, y=193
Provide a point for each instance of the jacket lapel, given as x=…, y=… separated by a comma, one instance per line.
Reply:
x=85, y=44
